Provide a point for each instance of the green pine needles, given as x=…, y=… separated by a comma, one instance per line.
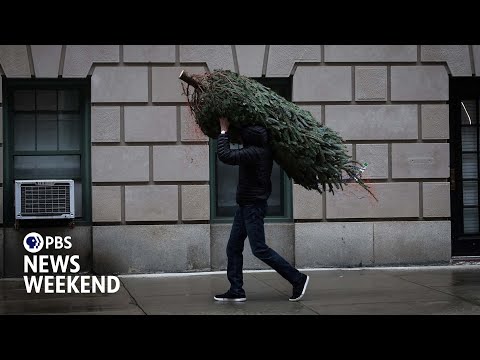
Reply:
x=311, y=154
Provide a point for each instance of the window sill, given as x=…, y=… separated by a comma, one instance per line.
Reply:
x=268, y=220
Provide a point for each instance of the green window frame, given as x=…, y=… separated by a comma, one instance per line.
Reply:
x=10, y=86
x=283, y=87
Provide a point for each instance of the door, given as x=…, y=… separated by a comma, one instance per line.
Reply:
x=464, y=165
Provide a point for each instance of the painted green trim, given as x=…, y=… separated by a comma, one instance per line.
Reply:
x=268, y=220
x=8, y=186
x=86, y=163
x=48, y=152
x=287, y=195
x=9, y=85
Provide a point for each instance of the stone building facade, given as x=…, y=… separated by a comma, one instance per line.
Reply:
x=148, y=178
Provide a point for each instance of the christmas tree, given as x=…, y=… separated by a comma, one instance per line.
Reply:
x=311, y=154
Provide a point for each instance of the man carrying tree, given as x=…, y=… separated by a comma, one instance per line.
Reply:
x=271, y=129
x=255, y=163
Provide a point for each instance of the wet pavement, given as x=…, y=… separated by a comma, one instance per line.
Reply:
x=442, y=290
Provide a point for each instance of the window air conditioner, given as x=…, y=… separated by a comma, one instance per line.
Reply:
x=44, y=199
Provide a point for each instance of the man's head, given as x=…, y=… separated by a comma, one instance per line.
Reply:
x=254, y=135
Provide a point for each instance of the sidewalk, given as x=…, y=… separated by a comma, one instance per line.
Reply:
x=453, y=289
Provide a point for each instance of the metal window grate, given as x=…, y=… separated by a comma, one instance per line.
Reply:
x=45, y=200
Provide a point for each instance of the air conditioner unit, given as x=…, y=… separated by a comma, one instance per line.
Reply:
x=44, y=199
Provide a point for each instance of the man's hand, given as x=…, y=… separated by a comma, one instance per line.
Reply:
x=224, y=124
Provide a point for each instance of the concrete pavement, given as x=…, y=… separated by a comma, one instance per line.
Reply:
x=444, y=290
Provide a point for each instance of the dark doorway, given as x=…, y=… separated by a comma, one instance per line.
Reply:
x=464, y=165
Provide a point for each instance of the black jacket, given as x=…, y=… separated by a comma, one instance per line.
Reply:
x=255, y=161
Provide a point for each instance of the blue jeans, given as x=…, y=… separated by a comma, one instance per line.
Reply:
x=248, y=221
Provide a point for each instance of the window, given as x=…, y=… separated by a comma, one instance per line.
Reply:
x=47, y=136
x=224, y=178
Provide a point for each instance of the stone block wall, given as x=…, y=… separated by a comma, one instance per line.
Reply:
x=150, y=163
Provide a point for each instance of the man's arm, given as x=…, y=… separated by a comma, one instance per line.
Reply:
x=236, y=156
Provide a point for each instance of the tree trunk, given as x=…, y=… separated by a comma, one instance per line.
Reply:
x=186, y=77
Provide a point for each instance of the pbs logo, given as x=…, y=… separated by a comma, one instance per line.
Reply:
x=33, y=242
